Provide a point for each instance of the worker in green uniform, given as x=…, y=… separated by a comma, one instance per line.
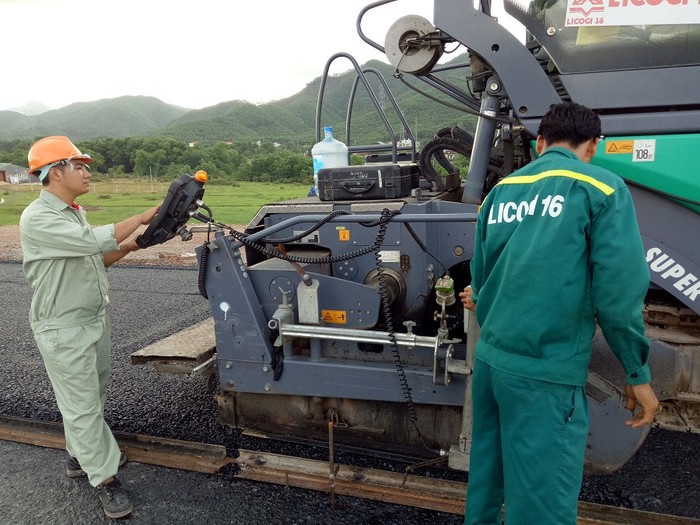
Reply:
x=557, y=248
x=64, y=261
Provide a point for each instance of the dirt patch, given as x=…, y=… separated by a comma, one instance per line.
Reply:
x=9, y=241
x=175, y=252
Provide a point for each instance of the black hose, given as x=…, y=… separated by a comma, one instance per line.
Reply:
x=310, y=230
x=447, y=139
x=422, y=245
x=270, y=252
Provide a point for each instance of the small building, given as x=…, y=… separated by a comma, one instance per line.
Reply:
x=13, y=174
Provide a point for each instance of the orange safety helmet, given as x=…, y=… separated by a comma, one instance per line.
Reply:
x=50, y=150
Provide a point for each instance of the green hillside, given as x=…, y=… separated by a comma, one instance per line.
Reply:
x=116, y=118
x=289, y=122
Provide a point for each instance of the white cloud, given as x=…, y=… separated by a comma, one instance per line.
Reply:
x=192, y=54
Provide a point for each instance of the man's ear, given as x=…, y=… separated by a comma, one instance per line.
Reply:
x=53, y=173
x=591, y=147
x=540, y=144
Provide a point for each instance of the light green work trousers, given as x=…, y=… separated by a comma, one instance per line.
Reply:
x=527, y=450
x=77, y=361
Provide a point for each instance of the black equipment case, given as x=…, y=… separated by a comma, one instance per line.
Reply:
x=370, y=181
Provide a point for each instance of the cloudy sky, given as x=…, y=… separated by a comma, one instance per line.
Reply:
x=188, y=53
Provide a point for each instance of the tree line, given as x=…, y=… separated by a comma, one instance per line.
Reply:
x=166, y=159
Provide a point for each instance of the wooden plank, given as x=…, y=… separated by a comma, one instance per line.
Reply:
x=163, y=452
x=389, y=487
x=193, y=346
x=378, y=485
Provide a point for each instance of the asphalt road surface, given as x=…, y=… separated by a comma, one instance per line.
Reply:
x=149, y=303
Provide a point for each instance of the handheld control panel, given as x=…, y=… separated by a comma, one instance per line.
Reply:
x=181, y=202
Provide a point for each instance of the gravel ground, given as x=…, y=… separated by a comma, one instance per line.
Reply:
x=148, y=303
x=151, y=301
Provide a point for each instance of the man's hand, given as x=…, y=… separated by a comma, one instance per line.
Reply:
x=644, y=395
x=147, y=216
x=466, y=297
x=123, y=229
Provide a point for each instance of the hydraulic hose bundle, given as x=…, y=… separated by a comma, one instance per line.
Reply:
x=447, y=139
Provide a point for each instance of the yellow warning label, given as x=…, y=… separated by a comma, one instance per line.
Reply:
x=619, y=146
x=343, y=235
x=334, y=316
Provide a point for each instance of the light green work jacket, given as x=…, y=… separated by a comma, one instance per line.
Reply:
x=63, y=262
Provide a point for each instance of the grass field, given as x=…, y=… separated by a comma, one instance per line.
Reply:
x=115, y=200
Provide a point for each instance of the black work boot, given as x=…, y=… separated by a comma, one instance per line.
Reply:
x=73, y=469
x=115, y=500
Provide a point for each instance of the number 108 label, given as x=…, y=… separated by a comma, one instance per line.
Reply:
x=644, y=150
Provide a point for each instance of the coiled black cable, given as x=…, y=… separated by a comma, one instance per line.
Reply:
x=202, y=257
x=310, y=230
x=384, y=294
x=261, y=248
x=388, y=319
x=447, y=139
x=326, y=259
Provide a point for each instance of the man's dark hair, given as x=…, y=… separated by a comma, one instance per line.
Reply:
x=569, y=122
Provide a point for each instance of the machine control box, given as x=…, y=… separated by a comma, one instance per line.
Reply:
x=371, y=181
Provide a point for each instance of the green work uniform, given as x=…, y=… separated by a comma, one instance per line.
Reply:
x=557, y=248
x=64, y=264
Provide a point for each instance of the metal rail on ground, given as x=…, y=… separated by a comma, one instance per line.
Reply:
x=389, y=487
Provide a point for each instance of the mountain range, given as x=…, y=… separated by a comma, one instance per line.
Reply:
x=32, y=108
x=290, y=121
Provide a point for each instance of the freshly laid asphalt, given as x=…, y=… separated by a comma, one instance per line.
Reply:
x=149, y=303
x=35, y=490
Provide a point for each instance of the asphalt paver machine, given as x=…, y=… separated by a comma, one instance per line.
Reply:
x=344, y=309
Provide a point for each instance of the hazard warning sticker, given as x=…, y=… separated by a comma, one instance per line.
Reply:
x=642, y=150
x=334, y=316
x=614, y=147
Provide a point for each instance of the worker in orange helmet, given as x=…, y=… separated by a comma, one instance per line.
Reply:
x=65, y=261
